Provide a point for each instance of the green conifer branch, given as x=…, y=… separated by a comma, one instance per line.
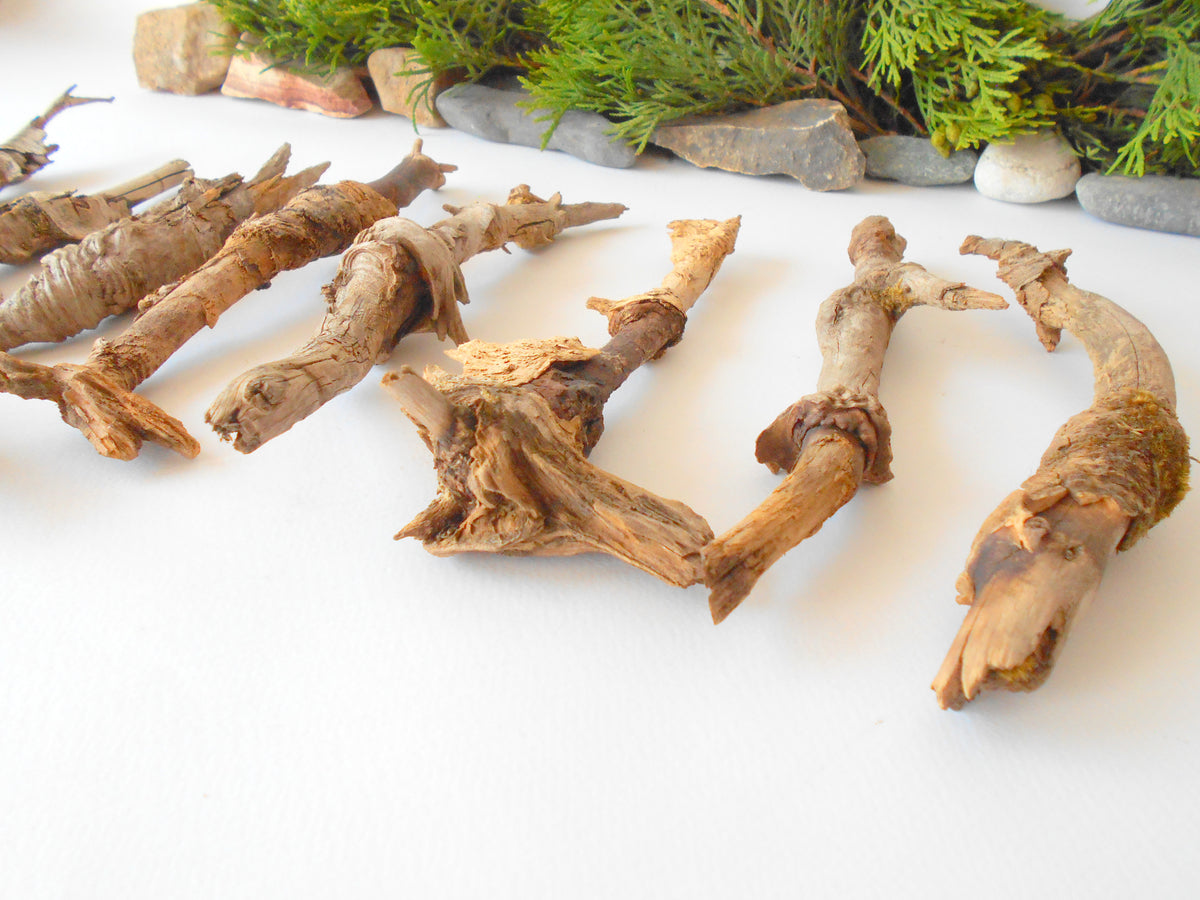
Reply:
x=1122, y=85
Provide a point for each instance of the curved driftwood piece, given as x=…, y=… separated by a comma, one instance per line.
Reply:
x=97, y=397
x=39, y=222
x=397, y=278
x=831, y=441
x=78, y=286
x=510, y=435
x=27, y=151
x=1110, y=474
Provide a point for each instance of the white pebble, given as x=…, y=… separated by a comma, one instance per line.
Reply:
x=1033, y=168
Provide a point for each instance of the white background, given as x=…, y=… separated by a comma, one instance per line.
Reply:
x=222, y=678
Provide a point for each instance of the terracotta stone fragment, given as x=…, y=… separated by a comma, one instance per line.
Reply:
x=340, y=95
x=395, y=89
x=177, y=49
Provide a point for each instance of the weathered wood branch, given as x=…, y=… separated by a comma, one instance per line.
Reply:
x=39, y=222
x=78, y=286
x=27, y=151
x=1110, y=474
x=831, y=441
x=397, y=278
x=510, y=435
x=97, y=397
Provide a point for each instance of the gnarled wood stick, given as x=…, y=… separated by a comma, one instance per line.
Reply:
x=833, y=440
x=396, y=279
x=27, y=151
x=39, y=222
x=97, y=397
x=1110, y=474
x=78, y=286
x=511, y=435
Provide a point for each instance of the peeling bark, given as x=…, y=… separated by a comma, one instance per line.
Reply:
x=510, y=435
x=396, y=279
x=27, y=151
x=40, y=222
x=97, y=397
x=78, y=286
x=831, y=441
x=1111, y=473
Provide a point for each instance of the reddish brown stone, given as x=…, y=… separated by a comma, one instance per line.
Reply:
x=341, y=94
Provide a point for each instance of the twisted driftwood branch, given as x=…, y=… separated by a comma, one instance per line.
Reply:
x=396, y=279
x=27, y=151
x=510, y=436
x=833, y=440
x=97, y=397
x=36, y=223
x=78, y=286
x=1111, y=473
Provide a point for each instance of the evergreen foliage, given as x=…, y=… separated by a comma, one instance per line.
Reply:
x=1123, y=85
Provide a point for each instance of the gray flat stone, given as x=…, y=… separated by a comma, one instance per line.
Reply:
x=915, y=161
x=1155, y=202
x=1032, y=168
x=494, y=115
x=810, y=140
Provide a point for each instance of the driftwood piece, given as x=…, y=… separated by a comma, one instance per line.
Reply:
x=98, y=397
x=39, y=222
x=510, y=435
x=27, y=151
x=397, y=278
x=110, y=270
x=831, y=441
x=78, y=286
x=1110, y=474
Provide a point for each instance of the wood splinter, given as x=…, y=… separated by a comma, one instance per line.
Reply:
x=397, y=278
x=510, y=435
x=831, y=441
x=36, y=223
x=78, y=286
x=98, y=397
x=27, y=151
x=1111, y=473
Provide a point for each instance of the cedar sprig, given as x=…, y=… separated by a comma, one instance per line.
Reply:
x=1123, y=86
x=968, y=63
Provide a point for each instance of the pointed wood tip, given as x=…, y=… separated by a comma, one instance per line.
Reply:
x=424, y=404
x=723, y=602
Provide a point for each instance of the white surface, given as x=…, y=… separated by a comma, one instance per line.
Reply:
x=222, y=678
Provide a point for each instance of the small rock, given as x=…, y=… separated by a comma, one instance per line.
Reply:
x=1033, y=168
x=340, y=95
x=1156, y=202
x=809, y=140
x=174, y=50
x=395, y=89
x=494, y=115
x=915, y=161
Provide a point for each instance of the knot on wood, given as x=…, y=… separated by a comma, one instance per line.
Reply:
x=1130, y=448
x=656, y=303
x=436, y=266
x=861, y=416
x=513, y=479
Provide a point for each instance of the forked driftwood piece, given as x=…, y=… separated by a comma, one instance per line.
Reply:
x=833, y=440
x=97, y=397
x=39, y=222
x=397, y=278
x=27, y=151
x=1110, y=474
x=78, y=286
x=511, y=435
